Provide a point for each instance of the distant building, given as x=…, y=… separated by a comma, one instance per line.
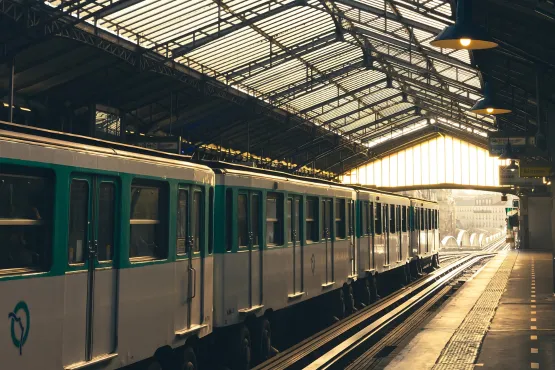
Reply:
x=482, y=212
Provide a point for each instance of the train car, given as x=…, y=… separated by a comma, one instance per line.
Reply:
x=382, y=239
x=105, y=254
x=280, y=241
x=424, y=223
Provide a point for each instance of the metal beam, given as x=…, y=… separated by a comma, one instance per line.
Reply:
x=248, y=20
x=378, y=121
x=361, y=109
x=389, y=15
x=308, y=84
x=343, y=96
x=245, y=71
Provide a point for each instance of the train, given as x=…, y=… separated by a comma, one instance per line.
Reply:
x=116, y=256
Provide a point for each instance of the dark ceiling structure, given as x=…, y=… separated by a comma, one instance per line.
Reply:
x=312, y=87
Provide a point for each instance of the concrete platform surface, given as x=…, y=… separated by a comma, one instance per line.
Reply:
x=521, y=333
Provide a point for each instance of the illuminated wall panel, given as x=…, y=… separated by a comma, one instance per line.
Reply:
x=436, y=161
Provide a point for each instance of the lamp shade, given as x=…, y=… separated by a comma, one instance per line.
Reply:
x=488, y=105
x=464, y=34
x=512, y=167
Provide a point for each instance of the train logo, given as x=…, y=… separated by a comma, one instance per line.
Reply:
x=19, y=337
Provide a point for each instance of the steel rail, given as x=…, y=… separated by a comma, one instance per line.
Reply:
x=344, y=349
x=318, y=342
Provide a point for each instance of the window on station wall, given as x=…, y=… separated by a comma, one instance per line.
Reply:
x=312, y=221
x=378, y=227
x=274, y=219
x=148, y=221
x=339, y=214
x=26, y=215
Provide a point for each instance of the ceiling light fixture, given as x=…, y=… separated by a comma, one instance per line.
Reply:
x=489, y=105
x=513, y=166
x=464, y=34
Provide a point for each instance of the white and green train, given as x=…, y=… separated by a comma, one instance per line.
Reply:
x=112, y=256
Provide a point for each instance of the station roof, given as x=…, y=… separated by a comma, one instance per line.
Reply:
x=306, y=81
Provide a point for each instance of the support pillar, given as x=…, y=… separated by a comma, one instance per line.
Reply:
x=524, y=227
x=91, y=120
x=11, y=82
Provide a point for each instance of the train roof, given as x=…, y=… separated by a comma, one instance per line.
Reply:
x=39, y=136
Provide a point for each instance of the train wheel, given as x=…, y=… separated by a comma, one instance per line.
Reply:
x=349, y=299
x=189, y=359
x=262, y=341
x=374, y=288
x=338, y=304
x=364, y=296
x=242, y=354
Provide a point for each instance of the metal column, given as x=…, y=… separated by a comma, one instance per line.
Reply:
x=11, y=66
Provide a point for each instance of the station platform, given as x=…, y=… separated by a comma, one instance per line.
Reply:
x=502, y=318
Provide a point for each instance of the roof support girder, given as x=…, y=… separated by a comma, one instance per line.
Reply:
x=361, y=109
x=196, y=43
x=343, y=96
x=241, y=73
x=389, y=15
x=378, y=121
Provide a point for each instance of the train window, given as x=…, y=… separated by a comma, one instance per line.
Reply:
x=378, y=219
x=242, y=225
x=422, y=219
x=392, y=225
x=326, y=218
x=293, y=219
x=78, y=220
x=25, y=219
x=182, y=219
x=397, y=218
x=311, y=220
x=106, y=217
x=349, y=216
x=210, y=221
x=274, y=219
x=340, y=231
x=364, y=218
x=429, y=215
x=147, y=223
x=229, y=219
x=255, y=217
x=197, y=220
x=404, y=219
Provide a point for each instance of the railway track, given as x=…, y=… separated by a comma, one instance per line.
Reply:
x=338, y=345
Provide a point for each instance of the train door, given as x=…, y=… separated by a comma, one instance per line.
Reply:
x=189, y=261
x=294, y=215
x=328, y=221
x=92, y=284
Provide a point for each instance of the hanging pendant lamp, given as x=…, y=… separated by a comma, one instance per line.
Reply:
x=508, y=152
x=488, y=105
x=464, y=34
